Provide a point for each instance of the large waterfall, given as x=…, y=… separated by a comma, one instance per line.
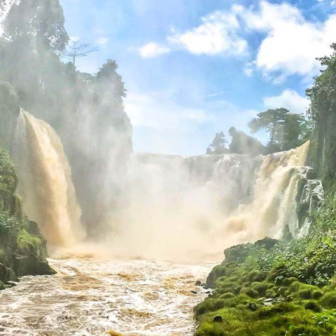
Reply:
x=170, y=206
x=194, y=206
x=45, y=181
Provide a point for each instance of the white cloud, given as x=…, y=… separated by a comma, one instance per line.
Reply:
x=292, y=43
x=102, y=41
x=290, y=100
x=152, y=49
x=216, y=35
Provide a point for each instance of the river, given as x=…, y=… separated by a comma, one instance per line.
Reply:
x=92, y=297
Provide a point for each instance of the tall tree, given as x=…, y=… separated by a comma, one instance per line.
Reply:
x=218, y=145
x=322, y=111
x=242, y=143
x=34, y=37
x=78, y=49
x=271, y=121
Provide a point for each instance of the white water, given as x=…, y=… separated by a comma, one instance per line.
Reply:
x=174, y=209
x=91, y=297
x=195, y=207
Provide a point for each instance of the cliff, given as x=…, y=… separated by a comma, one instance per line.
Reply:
x=22, y=247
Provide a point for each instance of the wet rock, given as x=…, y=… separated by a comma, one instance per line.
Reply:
x=198, y=283
x=194, y=292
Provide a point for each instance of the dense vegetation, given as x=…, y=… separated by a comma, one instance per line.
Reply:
x=286, y=131
x=283, y=288
x=85, y=109
x=22, y=248
x=276, y=287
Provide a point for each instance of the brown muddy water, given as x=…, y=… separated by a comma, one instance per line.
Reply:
x=92, y=297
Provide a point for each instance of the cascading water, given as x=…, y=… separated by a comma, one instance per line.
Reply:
x=182, y=207
x=45, y=181
x=173, y=208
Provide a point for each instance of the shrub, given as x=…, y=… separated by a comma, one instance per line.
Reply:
x=9, y=225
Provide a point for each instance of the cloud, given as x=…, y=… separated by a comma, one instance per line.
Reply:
x=290, y=100
x=216, y=35
x=153, y=49
x=292, y=43
x=289, y=45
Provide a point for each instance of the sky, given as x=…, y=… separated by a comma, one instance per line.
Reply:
x=193, y=68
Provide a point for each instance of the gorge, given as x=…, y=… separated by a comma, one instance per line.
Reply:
x=175, y=214
x=97, y=238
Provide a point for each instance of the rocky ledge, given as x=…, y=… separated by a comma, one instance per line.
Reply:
x=22, y=247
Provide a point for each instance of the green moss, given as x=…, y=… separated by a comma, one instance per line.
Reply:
x=227, y=296
x=256, y=276
x=289, y=281
x=27, y=242
x=250, y=292
x=317, y=294
x=260, y=287
x=304, y=330
x=314, y=306
x=329, y=300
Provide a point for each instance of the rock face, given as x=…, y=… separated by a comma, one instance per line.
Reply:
x=22, y=247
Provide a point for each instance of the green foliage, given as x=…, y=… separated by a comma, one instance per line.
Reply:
x=8, y=178
x=322, y=110
x=81, y=107
x=287, y=130
x=244, y=144
x=9, y=225
x=218, y=145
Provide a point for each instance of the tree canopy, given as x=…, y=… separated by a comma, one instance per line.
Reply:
x=286, y=130
x=218, y=145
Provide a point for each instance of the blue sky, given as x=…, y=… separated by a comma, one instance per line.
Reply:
x=196, y=67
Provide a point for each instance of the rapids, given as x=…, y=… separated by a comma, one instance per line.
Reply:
x=92, y=297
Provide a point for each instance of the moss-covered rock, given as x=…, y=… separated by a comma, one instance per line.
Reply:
x=275, y=289
x=22, y=247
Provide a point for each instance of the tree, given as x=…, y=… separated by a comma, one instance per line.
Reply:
x=271, y=121
x=291, y=136
x=39, y=22
x=218, y=145
x=79, y=49
x=34, y=37
x=287, y=130
x=244, y=144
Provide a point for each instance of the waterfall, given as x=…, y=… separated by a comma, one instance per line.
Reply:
x=274, y=206
x=45, y=181
x=202, y=204
x=170, y=206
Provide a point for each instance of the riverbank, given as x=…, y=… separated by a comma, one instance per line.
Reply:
x=275, y=288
